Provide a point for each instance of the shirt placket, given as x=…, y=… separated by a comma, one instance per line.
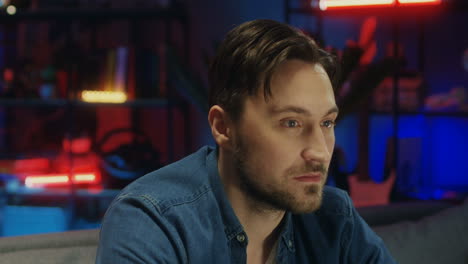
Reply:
x=286, y=249
x=285, y=254
x=239, y=248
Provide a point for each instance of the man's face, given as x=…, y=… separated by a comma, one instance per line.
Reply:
x=283, y=145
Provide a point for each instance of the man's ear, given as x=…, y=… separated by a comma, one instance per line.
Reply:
x=220, y=126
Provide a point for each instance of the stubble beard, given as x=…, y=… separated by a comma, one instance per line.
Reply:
x=269, y=197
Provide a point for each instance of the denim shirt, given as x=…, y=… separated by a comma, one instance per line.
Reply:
x=181, y=214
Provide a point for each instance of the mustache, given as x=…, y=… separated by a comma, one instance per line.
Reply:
x=308, y=168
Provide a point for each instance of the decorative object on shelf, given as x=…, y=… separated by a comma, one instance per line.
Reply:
x=455, y=100
x=369, y=193
x=363, y=190
x=129, y=160
x=410, y=87
x=47, y=89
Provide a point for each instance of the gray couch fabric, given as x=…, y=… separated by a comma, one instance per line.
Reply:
x=73, y=247
x=438, y=239
x=441, y=238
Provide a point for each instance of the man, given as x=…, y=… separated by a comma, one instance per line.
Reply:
x=259, y=197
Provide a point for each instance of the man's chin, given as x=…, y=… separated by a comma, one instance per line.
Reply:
x=310, y=202
x=308, y=205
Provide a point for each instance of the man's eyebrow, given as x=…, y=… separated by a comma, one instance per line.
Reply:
x=300, y=110
x=333, y=110
x=290, y=109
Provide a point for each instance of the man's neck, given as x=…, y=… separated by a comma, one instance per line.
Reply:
x=261, y=225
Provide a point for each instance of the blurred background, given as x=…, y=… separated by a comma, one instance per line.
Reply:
x=96, y=93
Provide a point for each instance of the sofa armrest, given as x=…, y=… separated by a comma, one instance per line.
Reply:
x=439, y=238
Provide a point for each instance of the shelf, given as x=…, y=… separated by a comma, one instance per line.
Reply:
x=134, y=103
x=172, y=24
x=161, y=102
x=63, y=192
x=95, y=14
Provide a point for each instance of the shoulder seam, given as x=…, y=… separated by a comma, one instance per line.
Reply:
x=164, y=206
x=186, y=199
x=152, y=201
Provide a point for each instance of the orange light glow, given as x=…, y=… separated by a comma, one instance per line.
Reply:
x=409, y=2
x=326, y=4
x=33, y=181
x=103, y=96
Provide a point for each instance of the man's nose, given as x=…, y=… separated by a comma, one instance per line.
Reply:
x=316, y=149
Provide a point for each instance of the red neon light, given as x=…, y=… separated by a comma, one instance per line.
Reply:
x=326, y=4
x=426, y=2
x=60, y=179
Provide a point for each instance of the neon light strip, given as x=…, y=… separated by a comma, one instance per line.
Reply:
x=59, y=179
x=40, y=180
x=403, y=2
x=325, y=4
x=103, y=96
x=87, y=178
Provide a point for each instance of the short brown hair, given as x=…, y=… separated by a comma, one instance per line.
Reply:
x=249, y=55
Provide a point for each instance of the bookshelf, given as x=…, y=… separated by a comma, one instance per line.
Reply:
x=172, y=29
x=163, y=113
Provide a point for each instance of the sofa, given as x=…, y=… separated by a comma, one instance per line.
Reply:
x=417, y=232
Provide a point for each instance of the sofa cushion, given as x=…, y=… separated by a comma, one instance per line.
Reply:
x=72, y=247
x=403, y=211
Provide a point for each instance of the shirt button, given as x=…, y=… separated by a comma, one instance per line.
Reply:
x=240, y=238
x=290, y=244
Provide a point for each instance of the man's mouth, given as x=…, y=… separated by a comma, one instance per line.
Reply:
x=310, y=177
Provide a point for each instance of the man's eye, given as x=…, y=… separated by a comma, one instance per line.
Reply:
x=328, y=123
x=290, y=123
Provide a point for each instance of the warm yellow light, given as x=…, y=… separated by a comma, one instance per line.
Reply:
x=35, y=181
x=103, y=96
x=84, y=178
x=11, y=10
